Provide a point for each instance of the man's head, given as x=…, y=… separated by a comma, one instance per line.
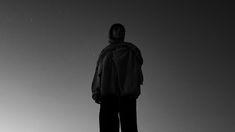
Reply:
x=117, y=32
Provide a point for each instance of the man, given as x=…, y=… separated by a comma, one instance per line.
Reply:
x=116, y=83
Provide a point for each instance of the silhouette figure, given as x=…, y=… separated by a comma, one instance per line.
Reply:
x=116, y=83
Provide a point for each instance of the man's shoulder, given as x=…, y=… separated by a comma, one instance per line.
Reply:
x=105, y=51
x=136, y=51
x=132, y=46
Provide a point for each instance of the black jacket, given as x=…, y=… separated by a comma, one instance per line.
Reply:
x=118, y=71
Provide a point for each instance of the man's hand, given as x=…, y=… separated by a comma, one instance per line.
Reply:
x=98, y=100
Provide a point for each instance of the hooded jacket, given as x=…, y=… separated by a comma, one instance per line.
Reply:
x=118, y=71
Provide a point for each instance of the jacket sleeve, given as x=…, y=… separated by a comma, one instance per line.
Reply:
x=141, y=77
x=140, y=63
x=96, y=83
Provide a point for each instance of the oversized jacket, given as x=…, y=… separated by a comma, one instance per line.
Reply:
x=118, y=71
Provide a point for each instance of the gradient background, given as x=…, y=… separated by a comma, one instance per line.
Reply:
x=48, y=53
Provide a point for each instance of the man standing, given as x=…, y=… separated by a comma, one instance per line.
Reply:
x=116, y=83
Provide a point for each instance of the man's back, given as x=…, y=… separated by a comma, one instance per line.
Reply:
x=118, y=71
x=121, y=70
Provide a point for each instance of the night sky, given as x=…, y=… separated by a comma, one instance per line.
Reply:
x=49, y=49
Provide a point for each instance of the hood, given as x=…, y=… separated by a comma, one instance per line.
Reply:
x=116, y=33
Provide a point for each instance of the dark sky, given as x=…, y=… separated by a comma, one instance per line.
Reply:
x=48, y=53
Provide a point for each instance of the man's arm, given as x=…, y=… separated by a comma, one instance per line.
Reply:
x=141, y=77
x=96, y=84
x=140, y=62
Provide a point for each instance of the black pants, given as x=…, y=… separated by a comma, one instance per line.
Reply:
x=113, y=110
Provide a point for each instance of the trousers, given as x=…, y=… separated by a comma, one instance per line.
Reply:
x=118, y=112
